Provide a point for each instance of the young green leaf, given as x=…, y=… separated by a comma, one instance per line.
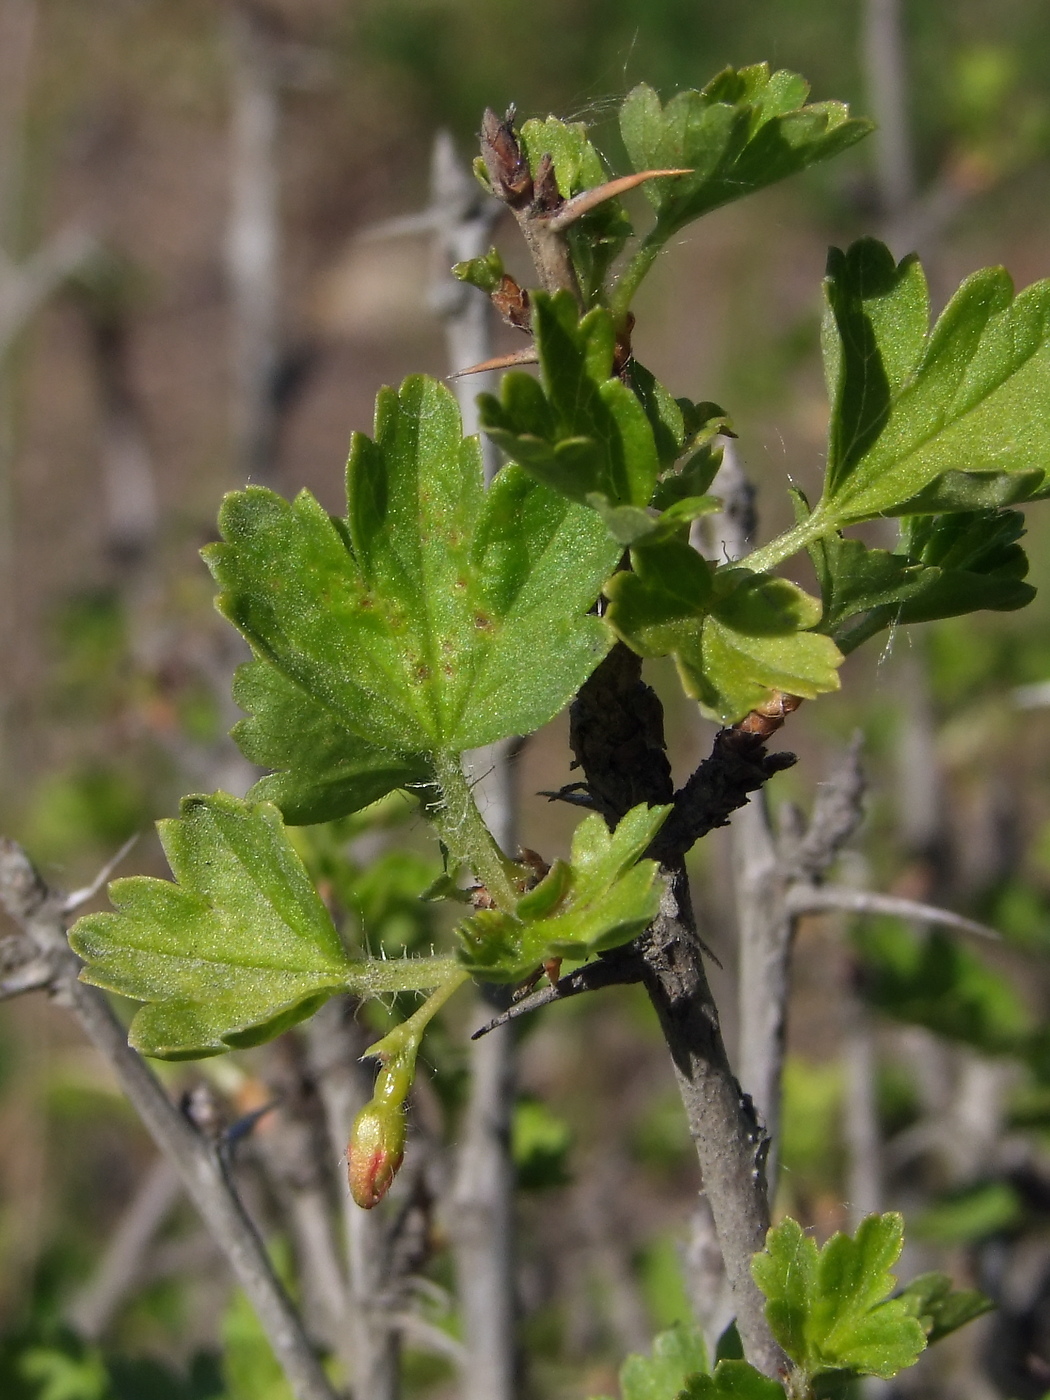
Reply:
x=941, y=1309
x=324, y=770
x=678, y=1355
x=238, y=949
x=830, y=1309
x=581, y=431
x=679, y=425
x=666, y=414
x=602, y=898
x=746, y=129
x=732, y=1380
x=438, y=616
x=735, y=636
x=972, y=560
x=944, y=566
x=486, y=272
x=957, y=418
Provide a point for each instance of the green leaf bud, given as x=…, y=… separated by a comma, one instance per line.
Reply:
x=486, y=273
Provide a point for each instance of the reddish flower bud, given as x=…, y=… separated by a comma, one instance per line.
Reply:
x=377, y=1146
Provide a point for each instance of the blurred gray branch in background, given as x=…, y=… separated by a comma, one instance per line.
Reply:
x=99, y=1300
x=459, y=220
x=885, y=66
x=481, y=1203
x=253, y=247
x=334, y=1047
x=25, y=286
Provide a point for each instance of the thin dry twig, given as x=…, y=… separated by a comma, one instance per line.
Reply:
x=37, y=911
x=806, y=899
x=619, y=968
x=80, y=897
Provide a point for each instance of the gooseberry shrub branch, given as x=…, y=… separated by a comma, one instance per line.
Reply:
x=439, y=615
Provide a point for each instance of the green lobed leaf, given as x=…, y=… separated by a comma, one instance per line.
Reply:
x=735, y=636
x=596, y=238
x=944, y=566
x=323, y=769
x=973, y=561
x=679, y=425
x=437, y=617
x=580, y=431
x=678, y=1355
x=666, y=414
x=939, y=1308
x=830, y=1309
x=855, y=579
x=630, y=525
x=746, y=129
x=238, y=949
x=733, y=1380
x=953, y=418
x=601, y=898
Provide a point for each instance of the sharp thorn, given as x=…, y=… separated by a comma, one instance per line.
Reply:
x=583, y=203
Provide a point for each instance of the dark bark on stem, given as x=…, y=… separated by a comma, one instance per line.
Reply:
x=765, y=931
x=615, y=969
x=532, y=197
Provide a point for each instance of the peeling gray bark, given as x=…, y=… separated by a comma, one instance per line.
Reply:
x=765, y=932
x=730, y=1143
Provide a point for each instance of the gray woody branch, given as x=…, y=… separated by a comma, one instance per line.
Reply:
x=37, y=911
